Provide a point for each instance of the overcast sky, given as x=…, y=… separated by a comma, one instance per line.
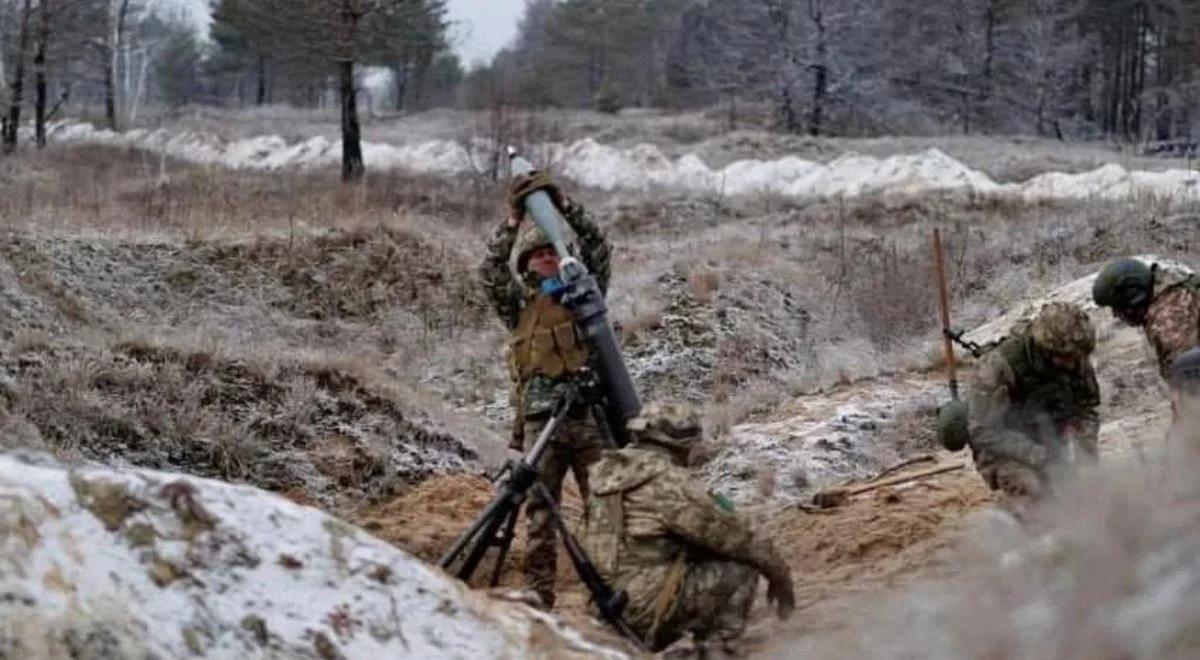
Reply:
x=487, y=26
x=484, y=26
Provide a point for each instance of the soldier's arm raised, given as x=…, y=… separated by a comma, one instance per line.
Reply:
x=594, y=248
x=501, y=285
x=990, y=402
x=1173, y=325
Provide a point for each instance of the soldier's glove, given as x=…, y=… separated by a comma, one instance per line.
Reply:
x=780, y=592
x=525, y=184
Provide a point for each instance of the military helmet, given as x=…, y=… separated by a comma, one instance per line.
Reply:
x=1123, y=283
x=675, y=426
x=1184, y=372
x=532, y=239
x=1063, y=328
x=953, y=430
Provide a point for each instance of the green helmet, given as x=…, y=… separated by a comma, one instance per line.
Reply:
x=1063, y=328
x=527, y=242
x=1123, y=283
x=953, y=429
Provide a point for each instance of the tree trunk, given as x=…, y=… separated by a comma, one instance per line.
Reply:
x=989, y=48
x=352, y=159
x=787, y=110
x=116, y=40
x=39, y=76
x=401, y=72
x=140, y=89
x=18, y=85
x=261, y=94
x=821, y=70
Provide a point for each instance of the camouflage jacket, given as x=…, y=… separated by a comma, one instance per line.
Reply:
x=510, y=294
x=645, y=514
x=1023, y=407
x=1173, y=319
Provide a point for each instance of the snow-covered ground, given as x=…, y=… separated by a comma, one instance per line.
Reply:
x=645, y=167
x=98, y=562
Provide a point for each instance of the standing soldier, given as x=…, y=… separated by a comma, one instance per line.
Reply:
x=1161, y=299
x=1034, y=397
x=686, y=563
x=545, y=353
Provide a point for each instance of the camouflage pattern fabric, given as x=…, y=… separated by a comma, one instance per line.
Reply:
x=1063, y=329
x=511, y=295
x=1026, y=410
x=577, y=445
x=713, y=603
x=645, y=515
x=1173, y=324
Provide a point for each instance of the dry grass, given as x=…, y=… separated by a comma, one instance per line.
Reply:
x=104, y=189
x=775, y=297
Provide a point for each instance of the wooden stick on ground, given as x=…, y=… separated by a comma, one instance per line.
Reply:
x=923, y=458
x=839, y=494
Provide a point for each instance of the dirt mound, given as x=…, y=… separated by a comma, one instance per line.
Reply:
x=323, y=431
x=359, y=273
x=427, y=519
x=870, y=536
x=350, y=275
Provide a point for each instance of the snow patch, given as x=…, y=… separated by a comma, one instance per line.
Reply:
x=137, y=563
x=838, y=438
x=646, y=167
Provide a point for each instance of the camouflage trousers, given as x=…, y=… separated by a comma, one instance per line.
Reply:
x=713, y=604
x=576, y=446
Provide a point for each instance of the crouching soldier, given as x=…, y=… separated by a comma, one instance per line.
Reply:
x=1162, y=299
x=686, y=563
x=1033, y=403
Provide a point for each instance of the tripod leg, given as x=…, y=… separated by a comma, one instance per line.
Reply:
x=505, y=543
x=600, y=416
x=463, y=541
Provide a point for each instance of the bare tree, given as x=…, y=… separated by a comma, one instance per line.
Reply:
x=115, y=41
x=17, y=89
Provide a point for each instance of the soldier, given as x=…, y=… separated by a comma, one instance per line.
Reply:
x=686, y=562
x=1161, y=299
x=1034, y=397
x=545, y=353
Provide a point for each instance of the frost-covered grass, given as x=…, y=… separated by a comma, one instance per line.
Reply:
x=737, y=302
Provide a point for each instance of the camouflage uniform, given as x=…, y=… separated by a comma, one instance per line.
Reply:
x=522, y=306
x=1025, y=410
x=1173, y=317
x=686, y=563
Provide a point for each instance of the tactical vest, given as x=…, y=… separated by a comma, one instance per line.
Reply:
x=545, y=342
